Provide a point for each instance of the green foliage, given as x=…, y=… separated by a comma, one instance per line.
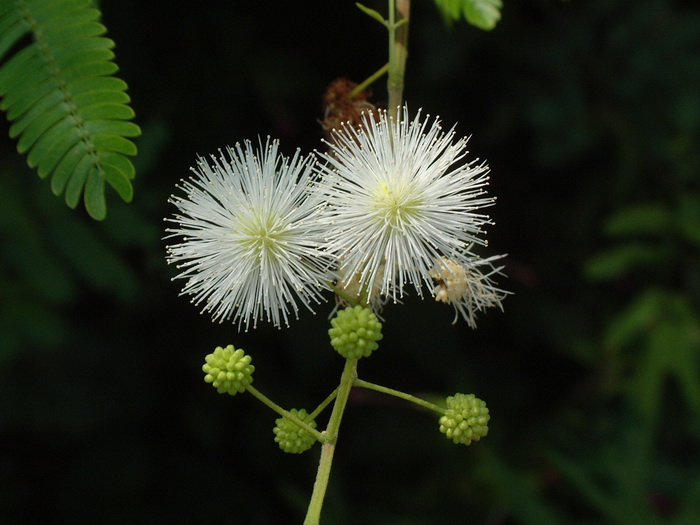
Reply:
x=661, y=322
x=69, y=113
x=618, y=494
x=589, y=114
x=519, y=492
x=372, y=13
x=483, y=14
x=644, y=219
x=625, y=257
x=626, y=477
x=665, y=328
x=55, y=257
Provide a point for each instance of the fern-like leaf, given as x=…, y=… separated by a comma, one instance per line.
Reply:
x=70, y=115
x=483, y=14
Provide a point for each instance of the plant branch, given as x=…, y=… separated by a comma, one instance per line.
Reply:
x=313, y=513
x=402, y=395
x=368, y=81
x=399, y=13
x=284, y=413
x=320, y=408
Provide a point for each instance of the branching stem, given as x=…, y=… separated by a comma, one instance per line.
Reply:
x=284, y=413
x=313, y=514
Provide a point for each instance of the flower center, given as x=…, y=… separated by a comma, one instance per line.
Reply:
x=263, y=236
x=397, y=203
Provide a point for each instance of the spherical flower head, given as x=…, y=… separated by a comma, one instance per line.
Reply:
x=292, y=438
x=355, y=332
x=250, y=236
x=228, y=370
x=400, y=197
x=463, y=284
x=465, y=420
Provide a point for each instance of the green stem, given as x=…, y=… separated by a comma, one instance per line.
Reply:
x=320, y=408
x=313, y=514
x=402, y=395
x=369, y=81
x=399, y=11
x=284, y=413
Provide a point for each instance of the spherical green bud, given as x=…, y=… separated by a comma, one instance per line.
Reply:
x=292, y=438
x=355, y=332
x=228, y=370
x=466, y=419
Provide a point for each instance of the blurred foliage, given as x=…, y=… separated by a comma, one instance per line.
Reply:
x=484, y=14
x=588, y=114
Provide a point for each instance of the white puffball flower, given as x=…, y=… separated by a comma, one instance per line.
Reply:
x=250, y=237
x=467, y=285
x=400, y=196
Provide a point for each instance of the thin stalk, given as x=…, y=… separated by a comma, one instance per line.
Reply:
x=402, y=395
x=284, y=413
x=368, y=81
x=313, y=513
x=320, y=408
x=399, y=12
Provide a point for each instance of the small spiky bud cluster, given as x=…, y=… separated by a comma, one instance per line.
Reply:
x=228, y=370
x=355, y=332
x=292, y=438
x=466, y=419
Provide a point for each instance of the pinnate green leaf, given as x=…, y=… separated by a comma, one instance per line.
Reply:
x=69, y=114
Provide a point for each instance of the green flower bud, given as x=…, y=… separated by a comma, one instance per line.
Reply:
x=466, y=419
x=355, y=332
x=228, y=370
x=292, y=438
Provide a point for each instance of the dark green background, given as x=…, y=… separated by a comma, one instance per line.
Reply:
x=588, y=113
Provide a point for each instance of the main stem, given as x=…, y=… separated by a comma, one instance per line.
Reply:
x=313, y=514
x=399, y=11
